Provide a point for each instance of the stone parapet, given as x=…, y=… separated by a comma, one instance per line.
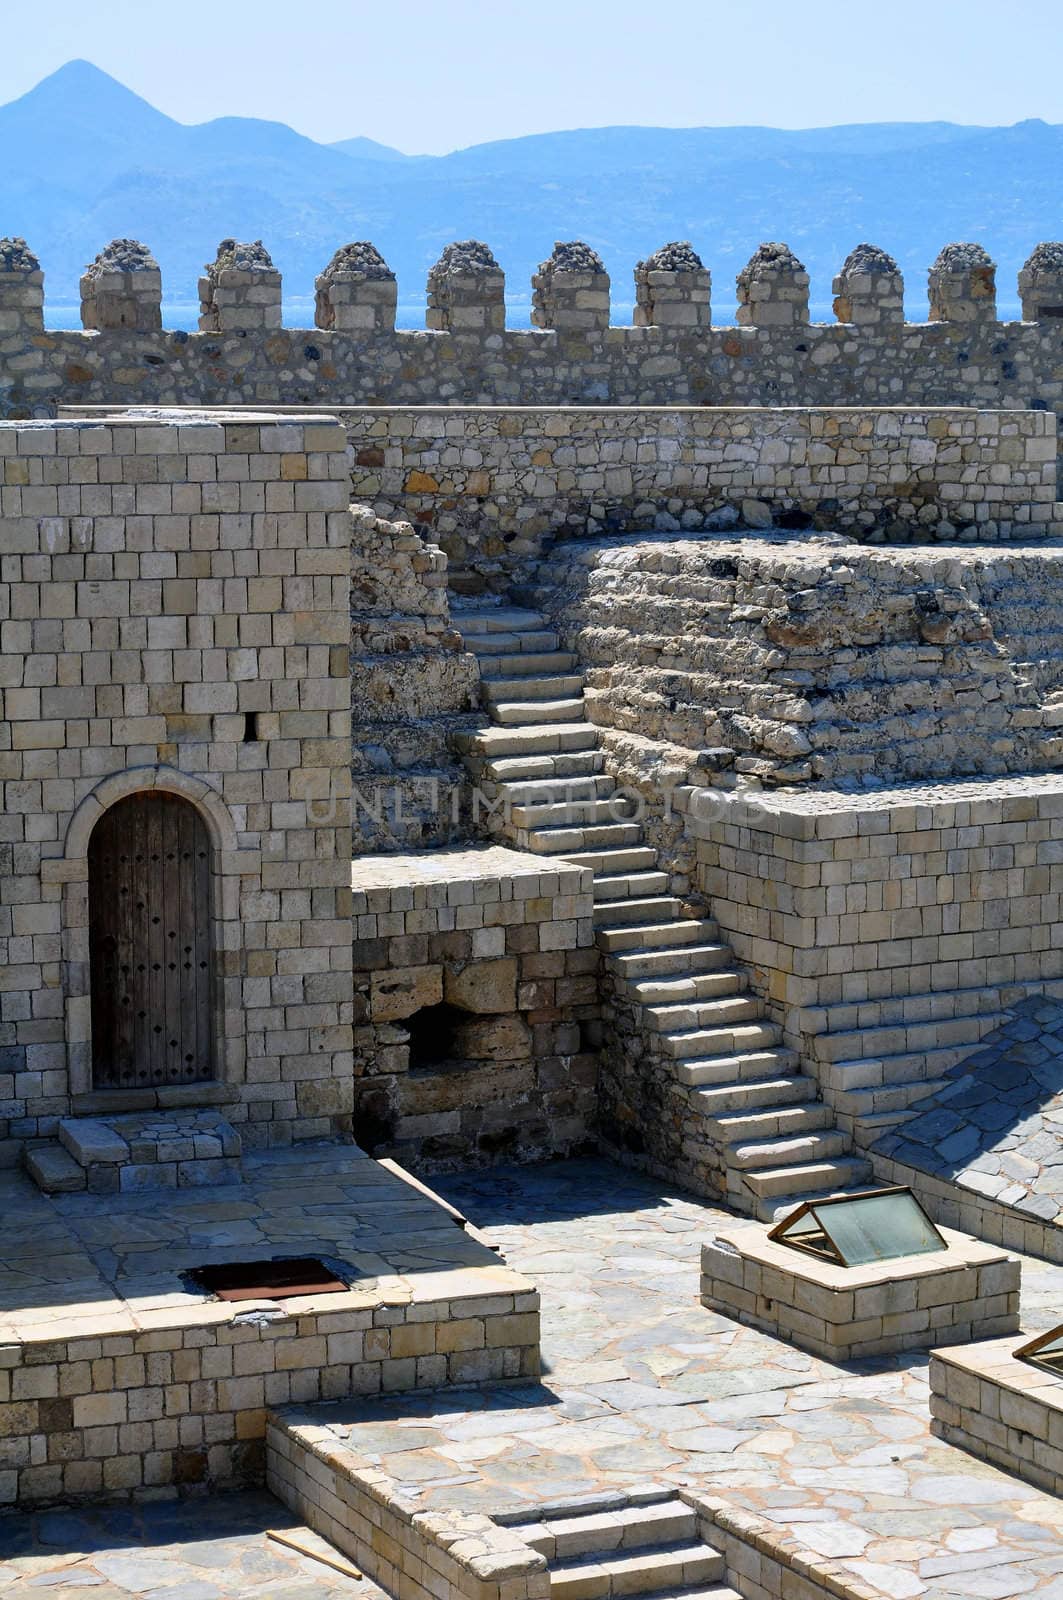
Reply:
x=122, y=288
x=357, y=292
x=466, y=291
x=772, y=289
x=673, y=289
x=241, y=292
x=869, y=290
x=21, y=296
x=962, y=285
x=1041, y=284
x=570, y=291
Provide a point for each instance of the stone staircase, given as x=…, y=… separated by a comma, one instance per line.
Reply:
x=137, y=1150
x=540, y=762
x=633, y=1546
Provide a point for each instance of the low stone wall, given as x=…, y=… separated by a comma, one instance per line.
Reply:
x=423, y=1555
x=1005, y=1411
x=497, y=484
x=966, y=1291
x=184, y=1403
x=792, y=659
x=505, y=941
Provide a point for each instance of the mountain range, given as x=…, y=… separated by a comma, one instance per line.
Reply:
x=87, y=160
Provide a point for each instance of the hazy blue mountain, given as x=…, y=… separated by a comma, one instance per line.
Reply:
x=88, y=160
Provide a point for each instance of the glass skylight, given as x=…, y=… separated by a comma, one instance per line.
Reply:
x=1044, y=1351
x=853, y=1230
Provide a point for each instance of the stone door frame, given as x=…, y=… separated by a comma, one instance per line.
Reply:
x=229, y=864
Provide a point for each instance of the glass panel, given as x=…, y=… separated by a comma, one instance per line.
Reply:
x=806, y=1233
x=879, y=1227
x=1046, y=1350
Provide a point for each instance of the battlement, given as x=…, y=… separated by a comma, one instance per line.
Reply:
x=571, y=289
x=673, y=354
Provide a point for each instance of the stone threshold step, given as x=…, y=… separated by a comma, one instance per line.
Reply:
x=640, y=1572
x=628, y=1528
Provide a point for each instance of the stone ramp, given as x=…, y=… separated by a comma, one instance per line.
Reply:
x=990, y=1141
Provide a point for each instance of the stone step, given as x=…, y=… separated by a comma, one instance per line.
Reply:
x=906, y=1038
x=495, y=646
x=613, y=862
x=515, y=769
x=649, y=937
x=557, y=791
x=525, y=713
x=752, y=1067
x=654, y=908
x=541, y=738
x=532, y=664
x=54, y=1169
x=562, y=841
x=771, y=1122
x=806, y=1149
x=873, y=1124
x=612, y=887
x=793, y=1184
x=690, y=986
x=495, y=619
x=549, y=815
x=746, y=1097
x=734, y=1040
x=773, y=1208
x=153, y=1150
x=703, y=1014
x=556, y=686
x=876, y=1072
x=889, y=1097
x=678, y=960
x=641, y=1572
x=623, y=1528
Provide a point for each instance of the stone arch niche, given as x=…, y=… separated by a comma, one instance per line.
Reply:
x=151, y=944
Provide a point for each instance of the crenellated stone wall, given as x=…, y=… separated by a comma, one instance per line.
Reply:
x=466, y=356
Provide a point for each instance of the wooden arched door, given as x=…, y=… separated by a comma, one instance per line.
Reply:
x=150, y=944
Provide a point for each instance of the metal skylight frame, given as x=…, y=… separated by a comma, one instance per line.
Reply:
x=1032, y=1351
x=815, y=1238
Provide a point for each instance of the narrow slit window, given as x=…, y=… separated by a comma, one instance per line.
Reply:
x=250, y=727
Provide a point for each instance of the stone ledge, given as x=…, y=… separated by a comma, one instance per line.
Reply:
x=1005, y=1411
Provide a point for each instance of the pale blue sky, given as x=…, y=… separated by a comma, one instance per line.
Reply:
x=434, y=75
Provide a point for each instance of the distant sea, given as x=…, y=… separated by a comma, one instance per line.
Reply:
x=299, y=313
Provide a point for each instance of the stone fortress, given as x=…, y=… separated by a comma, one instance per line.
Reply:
x=422, y=751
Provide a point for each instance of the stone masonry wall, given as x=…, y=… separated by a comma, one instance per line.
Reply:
x=504, y=939
x=411, y=683
x=790, y=660
x=174, y=615
x=841, y=903
x=497, y=485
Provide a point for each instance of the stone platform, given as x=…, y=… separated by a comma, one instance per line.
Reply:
x=812, y=1480
x=119, y=1376
x=967, y=1290
x=139, y=1150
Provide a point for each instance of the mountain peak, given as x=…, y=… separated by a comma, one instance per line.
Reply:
x=82, y=84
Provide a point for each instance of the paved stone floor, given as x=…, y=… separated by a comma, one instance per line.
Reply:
x=171, y=1550
x=642, y=1383
x=997, y=1126
x=88, y=1263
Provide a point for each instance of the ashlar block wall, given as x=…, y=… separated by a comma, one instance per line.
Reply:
x=174, y=597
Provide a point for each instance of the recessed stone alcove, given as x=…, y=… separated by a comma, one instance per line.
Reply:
x=475, y=984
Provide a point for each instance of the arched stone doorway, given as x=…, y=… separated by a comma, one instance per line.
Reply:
x=150, y=958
